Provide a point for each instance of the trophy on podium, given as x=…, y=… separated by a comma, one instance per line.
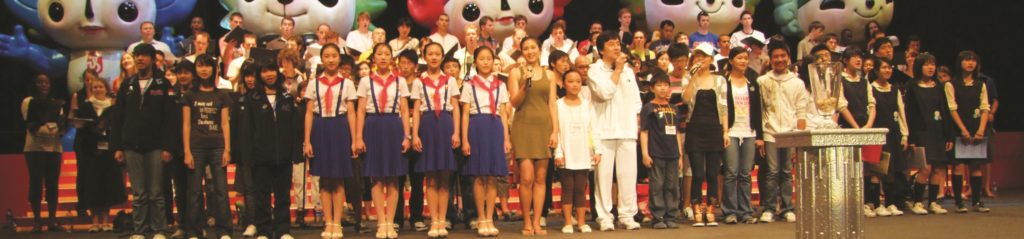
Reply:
x=825, y=88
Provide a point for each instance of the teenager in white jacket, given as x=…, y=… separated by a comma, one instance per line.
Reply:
x=785, y=109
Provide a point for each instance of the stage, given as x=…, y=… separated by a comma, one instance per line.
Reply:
x=1002, y=222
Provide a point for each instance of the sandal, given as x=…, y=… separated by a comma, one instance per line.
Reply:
x=442, y=232
x=382, y=230
x=433, y=233
x=339, y=233
x=327, y=234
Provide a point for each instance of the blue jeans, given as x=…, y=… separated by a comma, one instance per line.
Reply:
x=739, y=160
x=146, y=172
x=218, y=197
x=778, y=179
x=664, y=196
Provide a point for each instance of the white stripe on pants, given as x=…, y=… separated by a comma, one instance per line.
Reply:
x=618, y=155
x=303, y=198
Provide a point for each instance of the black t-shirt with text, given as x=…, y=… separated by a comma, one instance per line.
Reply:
x=205, y=121
x=661, y=121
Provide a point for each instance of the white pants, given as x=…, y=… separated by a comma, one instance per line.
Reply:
x=302, y=198
x=618, y=155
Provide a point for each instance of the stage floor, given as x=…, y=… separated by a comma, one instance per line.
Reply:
x=1003, y=222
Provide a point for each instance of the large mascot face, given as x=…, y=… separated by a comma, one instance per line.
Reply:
x=846, y=14
x=464, y=12
x=725, y=14
x=264, y=16
x=101, y=25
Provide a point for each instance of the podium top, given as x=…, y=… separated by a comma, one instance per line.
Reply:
x=831, y=137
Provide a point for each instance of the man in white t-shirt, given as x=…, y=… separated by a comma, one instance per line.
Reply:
x=359, y=40
x=616, y=106
x=520, y=24
x=747, y=21
x=447, y=41
x=148, y=31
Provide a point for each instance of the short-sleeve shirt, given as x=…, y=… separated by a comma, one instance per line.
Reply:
x=341, y=92
x=426, y=92
x=661, y=123
x=374, y=98
x=205, y=117
x=478, y=97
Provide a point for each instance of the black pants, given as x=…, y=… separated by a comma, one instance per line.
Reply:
x=465, y=185
x=355, y=190
x=415, y=196
x=244, y=186
x=276, y=179
x=175, y=171
x=548, y=180
x=43, y=168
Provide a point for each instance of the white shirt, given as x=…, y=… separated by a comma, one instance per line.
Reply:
x=784, y=100
x=390, y=104
x=224, y=84
x=567, y=47
x=318, y=100
x=736, y=40
x=397, y=46
x=478, y=97
x=448, y=41
x=741, y=112
x=234, y=67
x=359, y=41
x=576, y=134
x=449, y=89
x=616, y=106
x=159, y=45
x=465, y=59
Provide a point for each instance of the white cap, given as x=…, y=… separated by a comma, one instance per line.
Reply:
x=704, y=47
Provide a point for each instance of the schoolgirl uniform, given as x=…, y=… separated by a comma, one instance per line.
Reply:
x=436, y=122
x=384, y=156
x=331, y=136
x=859, y=99
x=969, y=100
x=930, y=128
x=486, y=134
x=890, y=113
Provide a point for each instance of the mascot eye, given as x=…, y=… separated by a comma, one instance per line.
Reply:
x=470, y=12
x=888, y=1
x=128, y=11
x=329, y=3
x=869, y=3
x=56, y=11
x=672, y=2
x=737, y=3
x=536, y=6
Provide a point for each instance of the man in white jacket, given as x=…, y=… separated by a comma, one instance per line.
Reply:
x=616, y=106
x=785, y=109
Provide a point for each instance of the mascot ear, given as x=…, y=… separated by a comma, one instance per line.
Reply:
x=231, y=6
x=170, y=12
x=426, y=12
x=26, y=11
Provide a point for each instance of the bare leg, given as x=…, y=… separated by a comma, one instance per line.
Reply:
x=540, y=167
x=492, y=194
x=326, y=199
x=527, y=182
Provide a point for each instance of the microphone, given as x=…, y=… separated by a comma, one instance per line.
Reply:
x=695, y=67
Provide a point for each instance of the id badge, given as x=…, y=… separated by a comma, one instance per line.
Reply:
x=670, y=130
x=103, y=145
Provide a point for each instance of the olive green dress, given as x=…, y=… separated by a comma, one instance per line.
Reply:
x=532, y=126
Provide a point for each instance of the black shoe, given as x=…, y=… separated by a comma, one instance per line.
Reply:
x=960, y=208
x=55, y=228
x=37, y=228
x=980, y=207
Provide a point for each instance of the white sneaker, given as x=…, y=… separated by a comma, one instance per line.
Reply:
x=882, y=212
x=159, y=236
x=607, y=226
x=287, y=236
x=895, y=211
x=936, y=208
x=250, y=231
x=868, y=212
x=567, y=229
x=543, y=222
x=193, y=237
x=629, y=224
x=262, y=237
x=585, y=228
x=767, y=217
x=689, y=213
x=473, y=224
x=790, y=216
x=137, y=237
x=919, y=209
x=225, y=237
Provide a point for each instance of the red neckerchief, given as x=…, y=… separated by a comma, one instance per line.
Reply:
x=383, y=96
x=495, y=83
x=329, y=95
x=441, y=82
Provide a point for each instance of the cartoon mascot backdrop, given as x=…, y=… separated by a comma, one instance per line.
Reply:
x=92, y=33
x=539, y=14
x=264, y=16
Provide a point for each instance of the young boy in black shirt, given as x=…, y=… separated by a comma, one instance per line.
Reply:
x=661, y=144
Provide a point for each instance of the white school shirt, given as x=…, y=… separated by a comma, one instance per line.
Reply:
x=616, y=106
x=576, y=134
x=482, y=100
x=567, y=47
x=390, y=107
x=359, y=41
x=448, y=41
x=346, y=94
x=451, y=89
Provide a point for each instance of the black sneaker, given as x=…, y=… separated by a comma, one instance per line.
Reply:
x=659, y=225
x=960, y=208
x=980, y=207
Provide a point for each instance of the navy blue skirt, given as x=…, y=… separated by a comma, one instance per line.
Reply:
x=436, y=135
x=487, y=147
x=332, y=148
x=383, y=135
